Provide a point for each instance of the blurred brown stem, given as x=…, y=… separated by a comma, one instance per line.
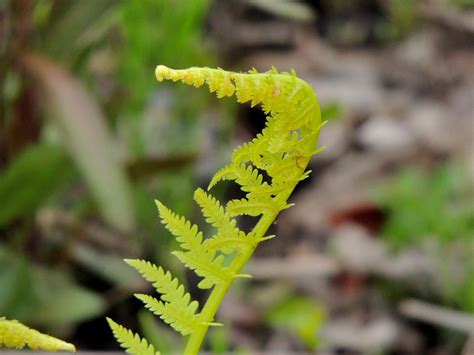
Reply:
x=469, y=347
x=438, y=315
x=54, y=219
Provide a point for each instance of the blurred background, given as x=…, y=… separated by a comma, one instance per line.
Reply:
x=377, y=256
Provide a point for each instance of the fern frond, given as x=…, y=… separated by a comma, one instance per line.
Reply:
x=132, y=343
x=15, y=335
x=280, y=152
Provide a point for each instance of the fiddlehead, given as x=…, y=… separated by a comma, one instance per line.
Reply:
x=281, y=151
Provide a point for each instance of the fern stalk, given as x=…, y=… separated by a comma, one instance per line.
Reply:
x=281, y=151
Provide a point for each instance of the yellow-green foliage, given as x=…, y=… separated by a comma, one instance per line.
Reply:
x=15, y=335
x=132, y=342
x=281, y=151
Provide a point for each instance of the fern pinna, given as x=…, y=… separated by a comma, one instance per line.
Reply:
x=15, y=335
x=281, y=152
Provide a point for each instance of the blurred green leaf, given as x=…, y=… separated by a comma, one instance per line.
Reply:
x=219, y=340
x=43, y=296
x=421, y=205
x=299, y=315
x=438, y=209
x=70, y=20
x=150, y=166
x=30, y=180
x=16, y=298
x=332, y=111
x=465, y=4
x=62, y=301
x=89, y=141
x=159, y=32
x=403, y=17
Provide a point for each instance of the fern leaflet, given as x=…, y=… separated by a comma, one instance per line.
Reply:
x=15, y=335
x=131, y=342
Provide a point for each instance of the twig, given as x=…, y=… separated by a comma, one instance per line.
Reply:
x=451, y=18
x=469, y=346
x=437, y=315
x=292, y=267
x=106, y=238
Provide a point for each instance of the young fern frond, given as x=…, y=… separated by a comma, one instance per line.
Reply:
x=280, y=152
x=15, y=335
